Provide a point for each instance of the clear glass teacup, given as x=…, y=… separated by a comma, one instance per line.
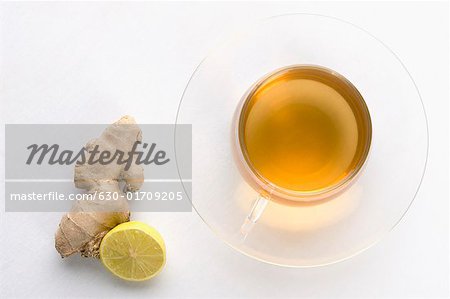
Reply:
x=301, y=135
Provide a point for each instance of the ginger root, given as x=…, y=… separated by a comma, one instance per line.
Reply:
x=82, y=229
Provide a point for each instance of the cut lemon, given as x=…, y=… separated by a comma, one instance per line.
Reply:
x=133, y=251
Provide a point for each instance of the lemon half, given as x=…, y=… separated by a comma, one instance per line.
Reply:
x=133, y=251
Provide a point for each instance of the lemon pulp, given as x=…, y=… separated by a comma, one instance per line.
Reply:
x=133, y=251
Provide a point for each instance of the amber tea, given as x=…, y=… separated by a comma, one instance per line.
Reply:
x=304, y=129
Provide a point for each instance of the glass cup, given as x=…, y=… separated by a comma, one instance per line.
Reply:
x=268, y=190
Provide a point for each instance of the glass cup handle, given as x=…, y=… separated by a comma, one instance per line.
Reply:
x=255, y=213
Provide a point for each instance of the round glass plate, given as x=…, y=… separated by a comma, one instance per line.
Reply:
x=304, y=236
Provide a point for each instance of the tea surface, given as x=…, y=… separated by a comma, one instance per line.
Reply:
x=304, y=129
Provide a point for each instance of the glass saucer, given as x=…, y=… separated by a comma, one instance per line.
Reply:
x=305, y=236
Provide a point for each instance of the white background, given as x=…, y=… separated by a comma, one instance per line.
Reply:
x=94, y=62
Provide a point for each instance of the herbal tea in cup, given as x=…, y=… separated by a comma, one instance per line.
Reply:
x=303, y=133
